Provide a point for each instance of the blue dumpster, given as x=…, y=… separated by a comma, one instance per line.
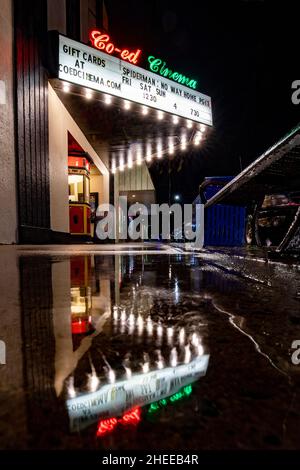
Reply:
x=224, y=224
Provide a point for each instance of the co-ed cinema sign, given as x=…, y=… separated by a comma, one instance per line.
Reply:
x=95, y=69
x=103, y=42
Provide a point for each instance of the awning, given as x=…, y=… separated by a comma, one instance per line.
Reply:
x=275, y=171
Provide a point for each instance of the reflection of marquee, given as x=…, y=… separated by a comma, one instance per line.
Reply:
x=139, y=390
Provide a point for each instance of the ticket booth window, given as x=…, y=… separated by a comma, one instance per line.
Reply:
x=79, y=195
x=79, y=188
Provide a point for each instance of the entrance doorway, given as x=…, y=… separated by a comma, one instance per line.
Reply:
x=79, y=164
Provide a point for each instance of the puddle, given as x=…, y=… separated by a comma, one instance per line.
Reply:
x=143, y=351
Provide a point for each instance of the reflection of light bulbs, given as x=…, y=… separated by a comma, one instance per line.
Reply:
x=146, y=365
x=115, y=313
x=159, y=329
x=195, y=339
x=160, y=361
x=173, y=357
x=181, y=335
x=170, y=333
x=187, y=354
x=71, y=388
x=149, y=326
x=93, y=382
x=123, y=316
x=111, y=376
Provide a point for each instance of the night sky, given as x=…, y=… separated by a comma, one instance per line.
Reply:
x=244, y=54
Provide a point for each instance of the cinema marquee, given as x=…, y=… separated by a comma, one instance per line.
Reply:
x=91, y=68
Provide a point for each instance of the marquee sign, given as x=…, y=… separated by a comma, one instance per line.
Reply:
x=94, y=69
x=141, y=389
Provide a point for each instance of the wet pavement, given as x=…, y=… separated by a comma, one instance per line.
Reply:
x=147, y=351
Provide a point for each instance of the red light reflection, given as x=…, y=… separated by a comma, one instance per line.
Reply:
x=106, y=426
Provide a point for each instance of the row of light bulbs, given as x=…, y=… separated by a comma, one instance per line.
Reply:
x=187, y=352
x=108, y=99
x=158, y=154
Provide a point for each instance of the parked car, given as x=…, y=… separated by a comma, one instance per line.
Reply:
x=268, y=223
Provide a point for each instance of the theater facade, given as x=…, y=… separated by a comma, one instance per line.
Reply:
x=83, y=118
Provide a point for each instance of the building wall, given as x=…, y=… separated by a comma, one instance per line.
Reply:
x=12, y=374
x=136, y=179
x=96, y=186
x=57, y=15
x=60, y=122
x=8, y=203
x=30, y=20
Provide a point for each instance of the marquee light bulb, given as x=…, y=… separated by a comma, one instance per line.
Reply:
x=189, y=124
x=148, y=152
x=171, y=146
x=88, y=94
x=145, y=110
x=160, y=115
x=108, y=99
x=175, y=119
x=129, y=160
x=139, y=157
x=127, y=105
x=202, y=128
x=66, y=87
x=197, y=138
x=183, y=142
x=159, y=147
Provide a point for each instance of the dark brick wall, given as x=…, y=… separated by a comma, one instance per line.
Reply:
x=31, y=80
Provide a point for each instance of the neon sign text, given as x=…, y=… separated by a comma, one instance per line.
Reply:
x=159, y=66
x=107, y=425
x=184, y=392
x=102, y=42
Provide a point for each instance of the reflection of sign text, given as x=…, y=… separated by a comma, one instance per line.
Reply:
x=139, y=390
